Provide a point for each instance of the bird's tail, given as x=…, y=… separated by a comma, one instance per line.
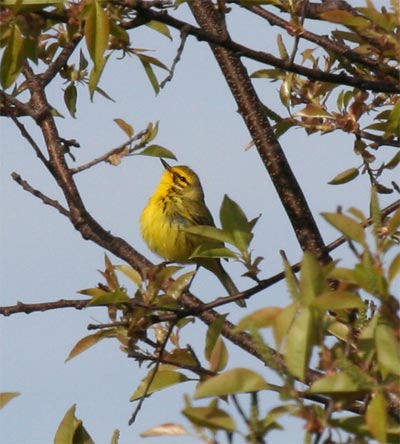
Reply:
x=216, y=267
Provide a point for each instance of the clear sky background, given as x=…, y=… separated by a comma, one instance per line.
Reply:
x=44, y=259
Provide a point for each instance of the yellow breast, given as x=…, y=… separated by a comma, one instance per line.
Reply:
x=163, y=233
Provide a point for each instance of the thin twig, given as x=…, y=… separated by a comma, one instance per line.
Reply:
x=33, y=144
x=298, y=35
x=184, y=35
x=153, y=375
x=324, y=41
x=269, y=59
x=20, y=307
x=60, y=61
x=195, y=369
x=108, y=325
x=107, y=155
x=45, y=199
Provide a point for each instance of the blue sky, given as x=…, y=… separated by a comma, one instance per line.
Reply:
x=44, y=259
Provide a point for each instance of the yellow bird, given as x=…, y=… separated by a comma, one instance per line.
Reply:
x=177, y=203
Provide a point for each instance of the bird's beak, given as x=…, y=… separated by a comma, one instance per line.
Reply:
x=165, y=164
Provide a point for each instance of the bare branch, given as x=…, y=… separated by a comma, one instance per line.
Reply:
x=12, y=107
x=153, y=375
x=33, y=144
x=46, y=200
x=21, y=307
x=114, y=151
x=184, y=34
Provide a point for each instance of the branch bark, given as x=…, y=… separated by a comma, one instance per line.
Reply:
x=270, y=151
x=203, y=34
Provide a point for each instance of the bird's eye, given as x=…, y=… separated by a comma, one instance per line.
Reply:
x=182, y=179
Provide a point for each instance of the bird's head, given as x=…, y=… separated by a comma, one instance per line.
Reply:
x=182, y=179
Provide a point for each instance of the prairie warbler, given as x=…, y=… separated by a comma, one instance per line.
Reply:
x=177, y=203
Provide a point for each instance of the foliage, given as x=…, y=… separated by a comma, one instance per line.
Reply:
x=337, y=343
x=358, y=355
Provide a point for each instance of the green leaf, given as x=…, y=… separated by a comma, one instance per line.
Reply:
x=291, y=281
x=163, y=379
x=262, y=318
x=160, y=27
x=209, y=232
x=337, y=384
x=393, y=162
x=299, y=342
x=163, y=275
x=283, y=322
x=151, y=76
x=158, y=151
x=232, y=216
x=282, y=49
x=357, y=213
x=180, y=285
x=337, y=300
x=238, y=380
x=388, y=349
x=213, y=333
x=375, y=211
x=234, y=221
x=125, y=126
x=88, y=342
x=346, y=225
x=219, y=356
x=344, y=176
x=394, y=269
x=346, y=18
x=151, y=61
x=94, y=77
x=112, y=297
x=131, y=273
x=313, y=110
x=93, y=292
x=351, y=424
x=204, y=251
x=285, y=91
x=97, y=30
x=211, y=417
x=71, y=430
x=6, y=397
x=369, y=276
x=13, y=57
x=70, y=97
x=274, y=74
x=376, y=417
x=311, y=279
x=393, y=125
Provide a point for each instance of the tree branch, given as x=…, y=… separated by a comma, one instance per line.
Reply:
x=263, y=57
x=335, y=47
x=270, y=151
x=59, y=62
x=107, y=155
x=46, y=200
x=29, y=138
x=12, y=107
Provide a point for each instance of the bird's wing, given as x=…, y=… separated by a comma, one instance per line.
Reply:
x=193, y=212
